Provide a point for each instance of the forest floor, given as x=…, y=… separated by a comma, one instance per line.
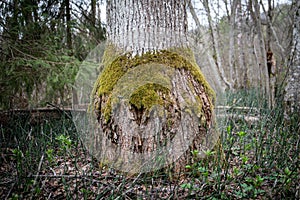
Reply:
x=46, y=159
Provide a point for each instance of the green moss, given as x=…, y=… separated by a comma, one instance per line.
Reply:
x=147, y=95
x=116, y=65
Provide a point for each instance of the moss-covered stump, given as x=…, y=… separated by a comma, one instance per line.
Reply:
x=151, y=111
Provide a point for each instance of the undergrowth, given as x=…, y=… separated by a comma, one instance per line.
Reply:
x=46, y=160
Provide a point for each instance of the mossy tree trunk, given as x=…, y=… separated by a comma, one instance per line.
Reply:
x=151, y=103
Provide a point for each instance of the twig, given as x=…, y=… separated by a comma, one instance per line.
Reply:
x=59, y=176
x=49, y=195
x=53, y=171
x=237, y=108
x=236, y=116
x=40, y=165
x=6, y=182
x=59, y=109
x=36, y=177
x=36, y=58
x=130, y=187
x=66, y=176
x=13, y=185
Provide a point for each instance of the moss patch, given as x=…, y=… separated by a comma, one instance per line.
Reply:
x=116, y=66
x=147, y=95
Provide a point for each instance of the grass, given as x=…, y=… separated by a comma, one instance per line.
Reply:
x=47, y=160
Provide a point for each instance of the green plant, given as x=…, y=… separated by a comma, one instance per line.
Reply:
x=64, y=141
x=261, y=162
x=18, y=156
x=50, y=156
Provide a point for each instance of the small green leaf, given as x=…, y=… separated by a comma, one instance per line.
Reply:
x=186, y=186
x=241, y=133
x=287, y=171
x=228, y=129
x=188, y=167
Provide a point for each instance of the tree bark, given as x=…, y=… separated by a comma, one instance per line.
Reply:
x=93, y=13
x=231, y=40
x=239, y=69
x=151, y=104
x=215, y=46
x=261, y=56
x=271, y=62
x=147, y=25
x=68, y=22
x=193, y=13
x=292, y=97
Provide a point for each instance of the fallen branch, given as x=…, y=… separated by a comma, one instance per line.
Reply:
x=243, y=117
x=237, y=108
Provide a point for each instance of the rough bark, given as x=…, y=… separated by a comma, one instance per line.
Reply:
x=148, y=25
x=137, y=132
x=151, y=104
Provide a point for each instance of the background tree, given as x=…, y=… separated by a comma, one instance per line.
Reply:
x=292, y=96
x=215, y=46
x=241, y=44
x=163, y=108
x=42, y=43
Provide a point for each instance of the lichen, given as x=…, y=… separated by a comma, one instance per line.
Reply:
x=117, y=65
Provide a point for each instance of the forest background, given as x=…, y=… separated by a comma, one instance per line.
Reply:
x=243, y=47
x=44, y=42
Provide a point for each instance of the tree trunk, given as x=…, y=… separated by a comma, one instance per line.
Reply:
x=93, y=13
x=271, y=62
x=292, y=96
x=231, y=40
x=68, y=22
x=240, y=68
x=151, y=104
x=215, y=46
x=261, y=56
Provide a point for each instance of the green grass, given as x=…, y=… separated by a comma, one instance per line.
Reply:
x=48, y=161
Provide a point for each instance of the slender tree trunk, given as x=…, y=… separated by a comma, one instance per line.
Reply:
x=215, y=46
x=69, y=43
x=271, y=63
x=262, y=60
x=239, y=70
x=193, y=13
x=68, y=22
x=292, y=96
x=270, y=55
x=151, y=103
x=231, y=41
x=242, y=69
x=93, y=13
